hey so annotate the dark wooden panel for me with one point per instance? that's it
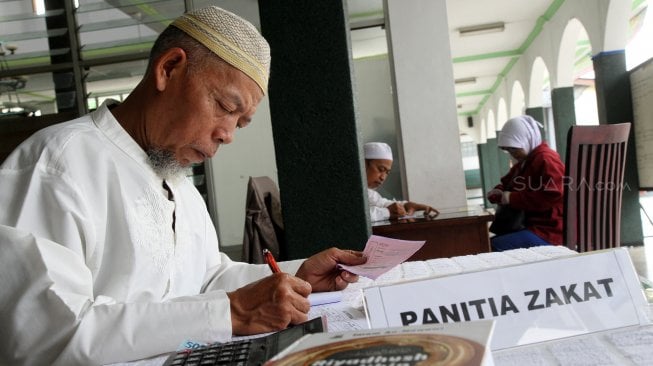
(15, 130)
(448, 235)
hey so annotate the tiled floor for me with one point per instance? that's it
(642, 256)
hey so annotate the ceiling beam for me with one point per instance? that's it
(539, 25)
(486, 56)
(475, 93)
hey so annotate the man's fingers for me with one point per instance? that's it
(348, 277)
(344, 279)
(301, 287)
(301, 304)
(350, 257)
(298, 317)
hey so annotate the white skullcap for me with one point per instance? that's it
(232, 38)
(377, 150)
(520, 132)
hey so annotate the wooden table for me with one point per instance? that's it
(449, 234)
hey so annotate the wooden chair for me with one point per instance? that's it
(14, 130)
(595, 162)
(263, 221)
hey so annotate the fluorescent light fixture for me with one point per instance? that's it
(38, 6)
(482, 29)
(469, 80)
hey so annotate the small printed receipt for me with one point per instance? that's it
(383, 254)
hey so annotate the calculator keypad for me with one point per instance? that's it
(218, 354)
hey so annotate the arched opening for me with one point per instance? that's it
(517, 100)
(539, 91)
(575, 69)
(502, 114)
(584, 90)
(640, 48)
(539, 95)
(491, 131)
(482, 138)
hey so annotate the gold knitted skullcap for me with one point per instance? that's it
(232, 38)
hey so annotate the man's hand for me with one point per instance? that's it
(429, 211)
(269, 304)
(396, 210)
(322, 273)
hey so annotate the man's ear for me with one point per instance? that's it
(171, 63)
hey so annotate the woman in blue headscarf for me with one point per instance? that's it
(534, 184)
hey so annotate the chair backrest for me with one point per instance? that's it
(14, 130)
(263, 221)
(595, 163)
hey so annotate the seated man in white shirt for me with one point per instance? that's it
(107, 251)
(378, 164)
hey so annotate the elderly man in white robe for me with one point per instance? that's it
(107, 252)
(378, 164)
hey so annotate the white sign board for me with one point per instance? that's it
(530, 303)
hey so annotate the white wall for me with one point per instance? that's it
(376, 117)
(426, 102)
(474, 132)
(250, 154)
(252, 151)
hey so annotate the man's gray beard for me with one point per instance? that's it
(166, 166)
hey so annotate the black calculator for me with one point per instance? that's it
(245, 352)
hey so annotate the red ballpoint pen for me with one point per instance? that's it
(269, 259)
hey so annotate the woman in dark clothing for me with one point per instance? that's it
(534, 184)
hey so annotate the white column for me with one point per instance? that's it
(427, 124)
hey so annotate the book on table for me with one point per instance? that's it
(464, 343)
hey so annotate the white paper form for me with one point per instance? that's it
(340, 316)
(383, 254)
(629, 346)
(321, 298)
(415, 270)
(443, 266)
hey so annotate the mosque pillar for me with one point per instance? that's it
(319, 160)
(490, 166)
(564, 116)
(537, 113)
(429, 156)
(614, 101)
